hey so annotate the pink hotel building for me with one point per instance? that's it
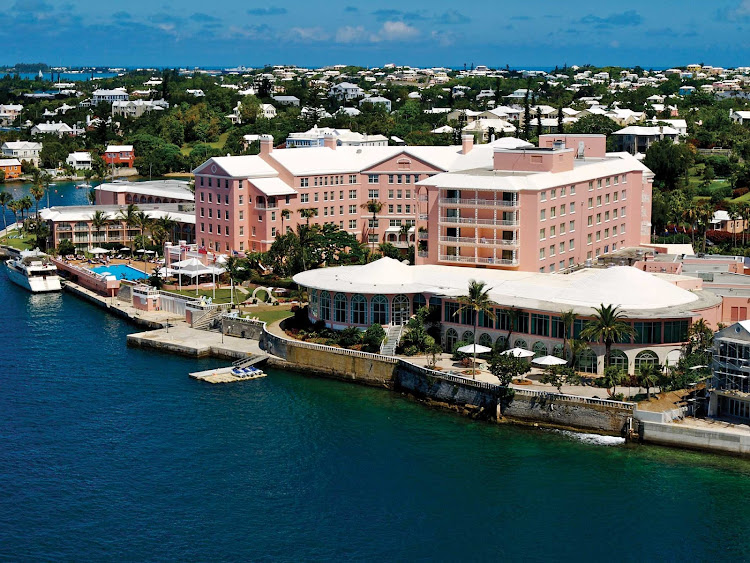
(506, 204)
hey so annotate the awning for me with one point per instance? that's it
(273, 186)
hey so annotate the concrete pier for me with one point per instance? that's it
(181, 339)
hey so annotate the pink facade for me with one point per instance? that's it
(545, 209)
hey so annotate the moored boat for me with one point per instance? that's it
(33, 270)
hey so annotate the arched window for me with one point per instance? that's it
(417, 302)
(339, 308)
(521, 343)
(558, 351)
(314, 303)
(485, 340)
(359, 309)
(539, 349)
(468, 336)
(647, 357)
(451, 337)
(500, 343)
(325, 306)
(128, 198)
(587, 361)
(379, 310)
(400, 309)
(619, 359)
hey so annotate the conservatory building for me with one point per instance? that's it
(527, 306)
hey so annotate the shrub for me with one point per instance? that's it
(458, 356)
(372, 338)
(350, 336)
(411, 351)
(739, 192)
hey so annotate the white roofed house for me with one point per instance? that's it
(637, 139)
(379, 100)
(53, 128)
(740, 116)
(109, 96)
(23, 150)
(79, 160)
(346, 91)
(136, 108)
(286, 100)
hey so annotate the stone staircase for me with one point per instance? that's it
(207, 320)
(392, 338)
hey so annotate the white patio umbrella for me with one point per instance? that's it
(518, 353)
(99, 250)
(549, 361)
(125, 248)
(472, 348)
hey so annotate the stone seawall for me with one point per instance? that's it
(681, 436)
(481, 400)
(103, 302)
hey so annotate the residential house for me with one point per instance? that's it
(119, 154)
(740, 116)
(53, 128)
(346, 91)
(23, 150)
(11, 167)
(79, 160)
(136, 108)
(316, 137)
(637, 139)
(286, 100)
(379, 100)
(109, 96)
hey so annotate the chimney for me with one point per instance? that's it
(467, 143)
(266, 144)
(329, 140)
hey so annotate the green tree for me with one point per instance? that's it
(669, 162)
(648, 376)
(594, 124)
(477, 301)
(506, 368)
(284, 216)
(373, 206)
(608, 327)
(613, 376)
(128, 216)
(373, 338)
(567, 318)
(98, 221)
(5, 199)
(308, 213)
(37, 192)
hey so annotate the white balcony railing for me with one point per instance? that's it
(474, 221)
(477, 202)
(478, 260)
(480, 241)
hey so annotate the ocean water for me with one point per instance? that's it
(110, 453)
(61, 193)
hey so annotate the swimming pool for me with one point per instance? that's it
(121, 272)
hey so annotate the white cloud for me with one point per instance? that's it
(350, 34)
(309, 34)
(396, 31)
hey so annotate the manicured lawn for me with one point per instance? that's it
(25, 243)
(272, 315)
(222, 295)
(185, 149)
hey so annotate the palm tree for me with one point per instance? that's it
(691, 216)
(734, 214)
(5, 199)
(91, 196)
(745, 211)
(648, 377)
(37, 192)
(513, 315)
(705, 215)
(165, 225)
(373, 206)
(308, 213)
(284, 215)
(143, 222)
(46, 180)
(128, 216)
(26, 204)
(567, 318)
(607, 326)
(478, 301)
(613, 375)
(98, 221)
(15, 206)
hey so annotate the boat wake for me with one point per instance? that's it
(592, 439)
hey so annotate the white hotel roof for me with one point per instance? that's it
(157, 188)
(632, 289)
(73, 213)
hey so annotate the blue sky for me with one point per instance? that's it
(654, 33)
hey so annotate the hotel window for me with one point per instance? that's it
(551, 231)
(563, 191)
(260, 218)
(598, 237)
(589, 255)
(571, 244)
(226, 184)
(210, 228)
(352, 223)
(390, 208)
(598, 218)
(352, 194)
(210, 213)
(325, 212)
(226, 199)
(572, 190)
(408, 208)
(416, 178)
(226, 215)
(352, 209)
(304, 182)
(624, 194)
(390, 178)
(607, 182)
(543, 196)
(203, 194)
(598, 201)
(352, 178)
(541, 254)
(606, 233)
(562, 209)
(341, 194)
(407, 178)
(588, 239)
(316, 182)
(210, 197)
(398, 209)
(606, 199)
(606, 215)
(614, 230)
(390, 194)
(552, 250)
(399, 194)
(541, 270)
(591, 220)
(373, 178)
(325, 196)
(624, 179)
(615, 196)
(542, 234)
(273, 232)
(240, 200)
(373, 194)
(614, 213)
(570, 262)
(622, 212)
(242, 246)
(591, 186)
(622, 229)
(242, 231)
(315, 196)
(591, 203)
(253, 231)
(273, 215)
(304, 198)
(553, 193)
(551, 267)
(562, 228)
(543, 215)
(341, 209)
(598, 184)
(209, 182)
(372, 224)
(398, 179)
(407, 195)
(203, 227)
(552, 212)
(202, 212)
(572, 226)
(539, 324)
(201, 180)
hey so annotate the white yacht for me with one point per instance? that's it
(33, 270)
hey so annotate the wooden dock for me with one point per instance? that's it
(227, 375)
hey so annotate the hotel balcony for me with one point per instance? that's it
(265, 207)
(475, 221)
(474, 203)
(481, 241)
(478, 260)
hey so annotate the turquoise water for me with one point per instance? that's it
(62, 193)
(121, 272)
(111, 453)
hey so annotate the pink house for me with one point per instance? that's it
(505, 204)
